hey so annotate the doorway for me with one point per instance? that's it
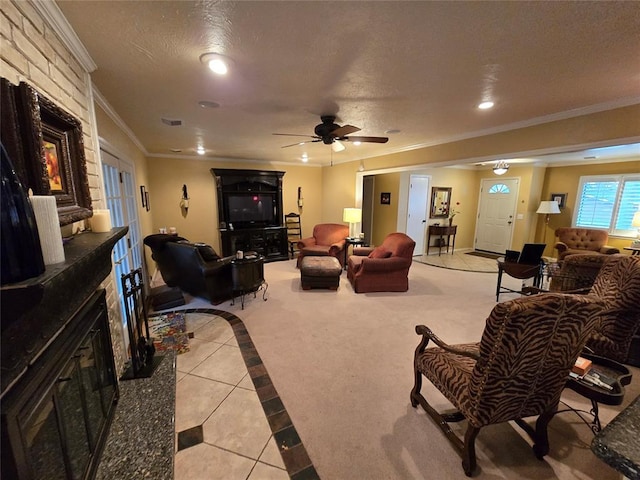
(496, 214)
(417, 210)
(120, 196)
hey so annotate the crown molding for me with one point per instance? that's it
(53, 16)
(102, 102)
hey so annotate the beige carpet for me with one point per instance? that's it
(459, 260)
(342, 364)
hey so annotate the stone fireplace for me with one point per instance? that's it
(59, 382)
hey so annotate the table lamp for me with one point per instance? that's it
(635, 222)
(352, 216)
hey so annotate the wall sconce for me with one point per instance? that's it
(501, 168)
(184, 202)
(352, 216)
(300, 199)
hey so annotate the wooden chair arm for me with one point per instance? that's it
(427, 335)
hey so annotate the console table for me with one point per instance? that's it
(247, 275)
(442, 231)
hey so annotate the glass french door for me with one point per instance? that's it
(119, 190)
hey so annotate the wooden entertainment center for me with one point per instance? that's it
(250, 212)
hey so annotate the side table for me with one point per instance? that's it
(351, 241)
(247, 275)
(442, 231)
(617, 372)
(634, 250)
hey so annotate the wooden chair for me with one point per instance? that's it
(294, 231)
(518, 369)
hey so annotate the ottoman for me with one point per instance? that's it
(320, 272)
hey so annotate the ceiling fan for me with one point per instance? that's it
(329, 133)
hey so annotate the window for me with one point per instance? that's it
(608, 202)
(499, 188)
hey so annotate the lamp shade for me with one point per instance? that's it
(548, 207)
(352, 215)
(501, 168)
(636, 220)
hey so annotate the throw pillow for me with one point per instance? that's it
(380, 252)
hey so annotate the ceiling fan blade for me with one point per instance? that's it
(294, 135)
(366, 139)
(336, 146)
(344, 130)
(302, 143)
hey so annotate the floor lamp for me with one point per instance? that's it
(352, 216)
(548, 207)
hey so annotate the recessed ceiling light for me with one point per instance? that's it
(218, 64)
(305, 158)
(485, 105)
(200, 150)
(357, 143)
(208, 104)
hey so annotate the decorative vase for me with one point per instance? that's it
(21, 251)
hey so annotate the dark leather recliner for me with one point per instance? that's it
(193, 267)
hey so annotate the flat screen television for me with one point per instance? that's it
(251, 209)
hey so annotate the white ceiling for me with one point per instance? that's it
(417, 67)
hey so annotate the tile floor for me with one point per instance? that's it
(459, 260)
(221, 428)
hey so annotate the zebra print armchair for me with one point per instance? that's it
(539, 337)
(617, 327)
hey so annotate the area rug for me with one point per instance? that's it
(169, 332)
(485, 254)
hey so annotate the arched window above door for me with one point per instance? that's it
(499, 188)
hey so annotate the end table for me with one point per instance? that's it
(247, 275)
(352, 241)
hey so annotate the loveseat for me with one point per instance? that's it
(327, 239)
(582, 240)
(384, 268)
(193, 267)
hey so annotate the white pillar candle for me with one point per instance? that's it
(101, 221)
(46, 212)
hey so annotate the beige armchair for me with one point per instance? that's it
(539, 337)
(582, 240)
(327, 239)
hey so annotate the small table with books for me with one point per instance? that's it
(603, 382)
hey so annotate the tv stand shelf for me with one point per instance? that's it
(270, 242)
(250, 212)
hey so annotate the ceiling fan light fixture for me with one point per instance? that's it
(501, 167)
(218, 64)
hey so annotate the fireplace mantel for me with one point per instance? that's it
(36, 310)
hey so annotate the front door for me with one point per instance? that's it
(496, 214)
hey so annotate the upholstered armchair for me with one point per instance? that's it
(384, 268)
(193, 267)
(327, 239)
(518, 369)
(576, 272)
(582, 240)
(618, 326)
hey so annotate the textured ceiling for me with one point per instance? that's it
(417, 67)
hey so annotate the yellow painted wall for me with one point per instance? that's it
(166, 177)
(385, 217)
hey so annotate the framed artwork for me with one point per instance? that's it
(52, 159)
(385, 198)
(561, 198)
